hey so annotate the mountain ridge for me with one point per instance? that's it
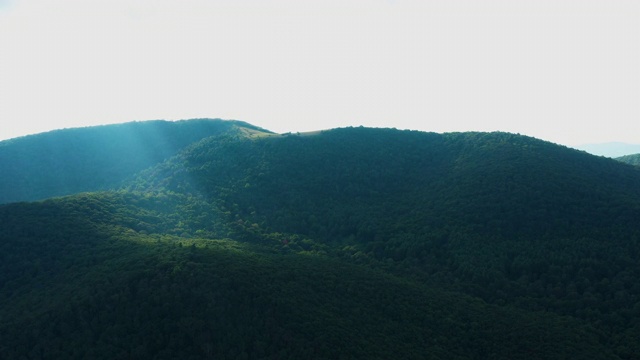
(633, 159)
(37, 166)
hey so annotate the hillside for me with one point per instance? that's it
(78, 282)
(338, 185)
(630, 159)
(507, 218)
(346, 243)
(69, 161)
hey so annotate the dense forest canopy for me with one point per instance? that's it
(346, 243)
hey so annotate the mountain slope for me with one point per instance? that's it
(491, 183)
(69, 161)
(81, 284)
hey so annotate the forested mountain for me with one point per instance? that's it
(69, 161)
(351, 243)
(630, 159)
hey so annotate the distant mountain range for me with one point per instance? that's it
(611, 149)
(213, 239)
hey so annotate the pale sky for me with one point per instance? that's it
(566, 71)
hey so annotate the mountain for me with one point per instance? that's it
(69, 161)
(633, 159)
(347, 243)
(611, 149)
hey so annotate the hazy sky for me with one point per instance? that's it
(560, 70)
